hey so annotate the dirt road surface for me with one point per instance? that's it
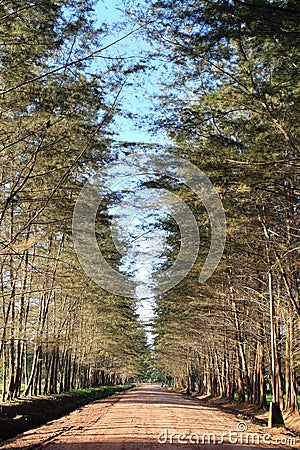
(150, 418)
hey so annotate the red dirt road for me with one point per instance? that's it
(150, 418)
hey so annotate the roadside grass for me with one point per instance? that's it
(268, 399)
(88, 392)
(100, 392)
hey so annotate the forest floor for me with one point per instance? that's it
(148, 417)
(244, 410)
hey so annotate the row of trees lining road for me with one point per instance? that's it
(59, 331)
(230, 103)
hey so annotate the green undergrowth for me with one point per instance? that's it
(100, 392)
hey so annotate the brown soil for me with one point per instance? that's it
(24, 414)
(133, 420)
(244, 410)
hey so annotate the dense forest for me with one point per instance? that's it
(232, 108)
(59, 331)
(228, 102)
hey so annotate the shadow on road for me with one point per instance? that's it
(159, 396)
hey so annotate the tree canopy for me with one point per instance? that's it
(228, 101)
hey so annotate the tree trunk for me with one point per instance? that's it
(290, 378)
(34, 367)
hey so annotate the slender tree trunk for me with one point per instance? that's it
(240, 379)
(259, 386)
(4, 374)
(290, 378)
(34, 367)
(278, 351)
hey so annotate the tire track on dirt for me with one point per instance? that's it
(38, 438)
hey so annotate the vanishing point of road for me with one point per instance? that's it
(150, 418)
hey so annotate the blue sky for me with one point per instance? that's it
(142, 255)
(135, 96)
